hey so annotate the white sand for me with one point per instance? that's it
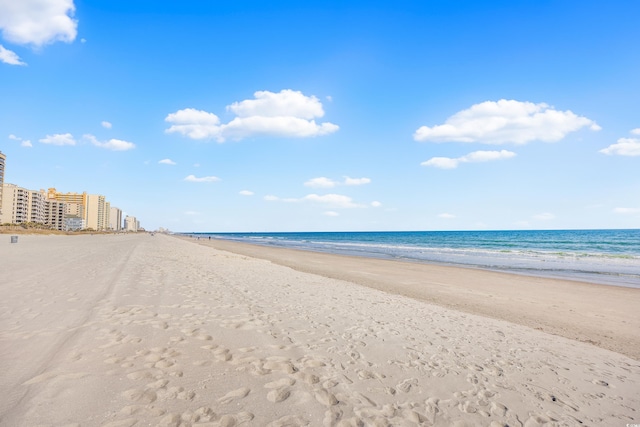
(157, 331)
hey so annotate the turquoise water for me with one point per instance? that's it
(598, 256)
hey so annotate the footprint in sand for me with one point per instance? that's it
(281, 366)
(278, 395)
(234, 395)
(222, 354)
(144, 410)
(283, 382)
(122, 423)
(326, 398)
(288, 421)
(498, 409)
(405, 386)
(138, 395)
(157, 384)
(308, 378)
(232, 420)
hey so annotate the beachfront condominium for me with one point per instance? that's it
(96, 214)
(3, 158)
(115, 219)
(131, 223)
(75, 202)
(21, 206)
(16, 202)
(93, 209)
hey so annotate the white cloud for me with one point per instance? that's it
(117, 145)
(112, 144)
(474, 157)
(37, 22)
(23, 143)
(333, 200)
(626, 211)
(376, 204)
(487, 156)
(106, 125)
(331, 213)
(323, 182)
(194, 123)
(167, 162)
(282, 104)
(337, 200)
(246, 193)
(191, 213)
(446, 216)
(10, 57)
(287, 113)
(291, 127)
(356, 181)
(506, 121)
(635, 131)
(59, 139)
(441, 163)
(193, 178)
(624, 147)
(544, 216)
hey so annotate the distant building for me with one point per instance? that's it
(37, 201)
(55, 210)
(3, 159)
(96, 215)
(76, 202)
(131, 223)
(115, 219)
(54, 214)
(20, 206)
(92, 208)
(16, 202)
(74, 223)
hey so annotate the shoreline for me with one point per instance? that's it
(599, 314)
(570, 260)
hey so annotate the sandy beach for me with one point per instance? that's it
(135, 330)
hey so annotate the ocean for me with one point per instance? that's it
(609, 257)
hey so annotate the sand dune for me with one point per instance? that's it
(157, 331)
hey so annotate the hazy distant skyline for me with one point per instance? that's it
(288, 116)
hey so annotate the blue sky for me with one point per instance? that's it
(313, 116)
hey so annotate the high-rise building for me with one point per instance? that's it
(37, 202)
(54, 214)
(21, 206)
(16, 203)
(96, 215)
(115, 219)
(3, 159)
(107, 215)
(92, 208)
(131, 223)
(76, 203)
